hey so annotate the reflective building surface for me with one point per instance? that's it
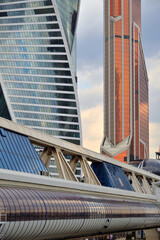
(150, 165)
(43, 214)
(126, 122)
(38, 82)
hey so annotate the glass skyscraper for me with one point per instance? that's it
(126, 120)
(38, 82)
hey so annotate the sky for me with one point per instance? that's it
(90, 70)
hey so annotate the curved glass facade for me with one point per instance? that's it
(68, 13)
(37, 65)
(38, 83)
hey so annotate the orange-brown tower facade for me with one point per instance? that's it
(126, 118)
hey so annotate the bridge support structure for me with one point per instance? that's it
(66, 169)
(141, 181)
(89, 208)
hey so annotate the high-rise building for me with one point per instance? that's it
(38, 82)
(126, 120)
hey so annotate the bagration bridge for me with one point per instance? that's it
(113, 197)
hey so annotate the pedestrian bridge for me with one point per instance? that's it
(113, 197)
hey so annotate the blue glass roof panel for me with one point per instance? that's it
(111, 175)
(18, 154)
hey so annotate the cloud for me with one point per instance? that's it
(91, 97)
(153, 67)
(92, 127)
(90, 86)
(90, 75)
(90, 72)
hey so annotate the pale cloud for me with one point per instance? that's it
(92, 127)
(90, 87)
(153, 67)
(90, 75)
(91, 97)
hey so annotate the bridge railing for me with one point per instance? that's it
(140, 180)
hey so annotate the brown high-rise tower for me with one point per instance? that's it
(126, 120)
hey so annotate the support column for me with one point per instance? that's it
(73, 163)
(89, 175)
(146, 185)
(46, 156)
(135, 183)
(64, 169)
